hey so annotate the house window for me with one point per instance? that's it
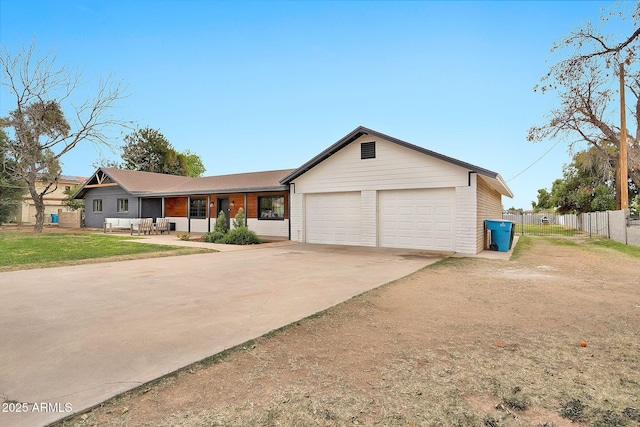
(368, 150)
(198, 208)
(97, 205)
(123, 205)
(271, 207)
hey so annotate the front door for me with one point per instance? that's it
(223, 205)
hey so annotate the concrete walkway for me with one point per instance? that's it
(72, 337)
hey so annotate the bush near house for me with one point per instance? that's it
(240, 235)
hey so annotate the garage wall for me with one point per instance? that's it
(297, 215)
(489, 207)
(394, 167)
(466, 214)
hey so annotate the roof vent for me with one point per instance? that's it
(368, 150)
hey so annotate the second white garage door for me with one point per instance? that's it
(333, 218)
(418, 219)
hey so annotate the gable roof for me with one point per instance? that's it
(493, 178)
(149, 184)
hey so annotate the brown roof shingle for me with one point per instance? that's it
(157, 184)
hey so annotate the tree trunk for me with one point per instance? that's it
(39, 202)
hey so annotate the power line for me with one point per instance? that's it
(536, 161)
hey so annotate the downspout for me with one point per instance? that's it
(163, 208)
(139, 207)
(188, 214)
(246, 217)
(209, 213)
(291, 185)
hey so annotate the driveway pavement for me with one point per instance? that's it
(72, 337)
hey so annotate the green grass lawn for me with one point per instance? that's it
(28, 250)
(542, 230)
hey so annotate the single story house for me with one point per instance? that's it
(192, 204)
(367, 189)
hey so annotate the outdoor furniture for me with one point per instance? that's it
(145, 226)
(162, 225)
(119, 224)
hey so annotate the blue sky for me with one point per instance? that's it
(265, 85)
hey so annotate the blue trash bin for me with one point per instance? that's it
(501, 234)
(54, 218)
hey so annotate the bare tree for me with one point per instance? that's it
(585, 84)
(41, 134)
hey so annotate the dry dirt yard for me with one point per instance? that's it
(465, 342)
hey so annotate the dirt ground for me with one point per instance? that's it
(466, 342)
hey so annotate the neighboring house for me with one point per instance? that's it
(192, 204)
(370, 189)
(52, 201)
(367, 189)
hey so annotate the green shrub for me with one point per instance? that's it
(241, 236)
(221, 224)
(238, 221)
(213, 237)
(184, 236)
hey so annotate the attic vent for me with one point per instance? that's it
(368, 150)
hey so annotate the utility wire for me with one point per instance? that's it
(536, 161)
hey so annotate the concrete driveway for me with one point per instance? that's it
(72, 337)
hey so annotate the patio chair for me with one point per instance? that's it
(162, 225)
(145, 226)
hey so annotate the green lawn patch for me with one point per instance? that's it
(596, 242)
(630, 250)
(542, 230)
(523, 246)
(50, 249)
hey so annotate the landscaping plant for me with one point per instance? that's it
(241, 236)
(238, 220)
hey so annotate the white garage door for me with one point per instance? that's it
(333, 218)
(419, 219)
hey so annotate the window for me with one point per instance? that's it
(271, 207)
(368, 150)
(123, 205)
(97, 205)
(198, 208)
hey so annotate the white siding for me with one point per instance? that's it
(394, 167)
(296, 203)
(489, 206)
(181, 223)
(199, 225)
(465, 220)
(269, 228)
